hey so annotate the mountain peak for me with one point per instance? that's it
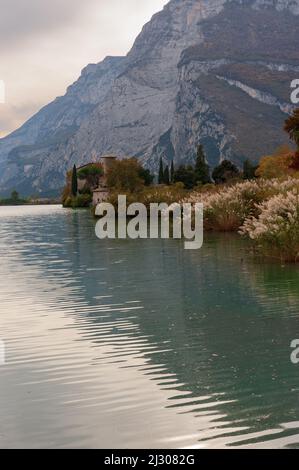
(215, 72)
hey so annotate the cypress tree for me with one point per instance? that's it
(166, 176)
(74, 182)
(172, 172)
(161, 172)
(202, 169)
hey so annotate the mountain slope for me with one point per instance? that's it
(210, 71)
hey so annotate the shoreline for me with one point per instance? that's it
(34, 203)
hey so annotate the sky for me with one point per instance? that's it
(45, 44)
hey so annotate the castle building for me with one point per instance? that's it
(101, 193)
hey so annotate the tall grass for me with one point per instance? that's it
(227, 207)
(275, 230)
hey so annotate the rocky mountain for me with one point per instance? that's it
(216, 72)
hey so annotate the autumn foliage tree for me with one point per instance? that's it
(277, 165)
(126, 175)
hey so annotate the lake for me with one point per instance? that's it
(142, 344)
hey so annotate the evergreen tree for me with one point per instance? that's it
(166, 178)
(15, 196)
(74, 182)
(172, 172)
(185, 175)
(249, 170)
(225, 171)
(146, 175)
(161, 172)
(202, 169)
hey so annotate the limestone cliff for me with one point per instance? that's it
(211, 71)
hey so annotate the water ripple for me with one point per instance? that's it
(119, 344)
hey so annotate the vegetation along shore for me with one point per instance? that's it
(16, 200)
(261, 203)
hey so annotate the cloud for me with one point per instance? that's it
(21, 19)
(44, 44)
(11, 117)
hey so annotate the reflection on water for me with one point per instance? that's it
(119, 344)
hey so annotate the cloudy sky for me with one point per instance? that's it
(44, 44)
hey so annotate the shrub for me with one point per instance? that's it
(79, 201)
(85, 190)
(166, 194)
(82, 200)
(227, 207)
(67, 202)
(275, 230)
(153, 195)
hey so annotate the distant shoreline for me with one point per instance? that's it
(31, 203)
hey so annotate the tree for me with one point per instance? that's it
(146, 175)
(249, 170)
(202, 169)
(292, 127)
(172, 172)
(185, 175)
(166, 176)
(14, 196)
(124, 175)
(224, 172)
(278, 165)
(74, 182)
(92, 174)
(295, 162)
(161, 172)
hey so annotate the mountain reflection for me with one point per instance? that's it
(210, 328)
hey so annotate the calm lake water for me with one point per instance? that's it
(141, 344)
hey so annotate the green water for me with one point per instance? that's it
(129, 344)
